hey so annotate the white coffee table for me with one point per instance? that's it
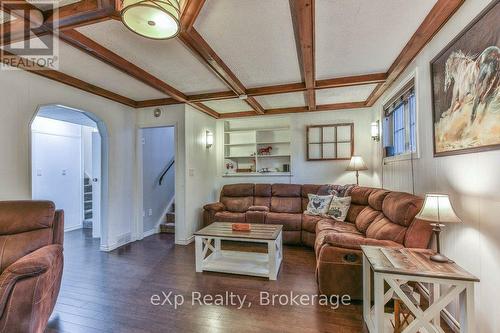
(210, 256)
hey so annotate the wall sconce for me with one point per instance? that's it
(376, 131)
(209, 139)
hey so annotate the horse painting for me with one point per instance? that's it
(466, 89)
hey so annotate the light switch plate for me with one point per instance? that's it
(191, 172)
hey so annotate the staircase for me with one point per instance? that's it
(87, 202)
(168, 226)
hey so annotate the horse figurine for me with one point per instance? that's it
(265, 150)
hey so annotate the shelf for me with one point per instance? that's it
(239, 144)
(258, 174)
(246, 156)
(266, 156)
(258, 130)
(273, 143)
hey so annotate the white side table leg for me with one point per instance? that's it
(367, 293)
(435, 295)
(467, 310)
(199, 253)
(379, 302)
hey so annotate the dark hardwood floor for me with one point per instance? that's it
(111, 292)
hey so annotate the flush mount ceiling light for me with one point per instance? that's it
(155, 19)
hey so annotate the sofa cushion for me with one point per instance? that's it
(286, 190)
(376, 198)
(337, 226)
(286, 205)
(309, 222)
(361, 194)
(237, 204)
(23, 216)
(230, 217)
(263, 190)
(353, 241)
(401, 208)
(366, 217)
(383, 229)
(290, 222)
(353, 212)
(238, 190)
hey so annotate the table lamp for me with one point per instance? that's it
(357, 164)
(437, 209)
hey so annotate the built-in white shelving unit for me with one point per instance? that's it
(242, 143)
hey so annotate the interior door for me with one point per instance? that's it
(96, 185)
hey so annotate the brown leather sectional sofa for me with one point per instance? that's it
(31, 265)
(376, 217)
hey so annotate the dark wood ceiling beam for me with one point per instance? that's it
(299, 109)
(348, 81)
(157, 102)
(194, 41)
(442, 11)
(60, 77)
(303, 22)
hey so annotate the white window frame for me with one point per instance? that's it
(405, 156)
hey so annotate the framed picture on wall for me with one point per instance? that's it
(466, 88)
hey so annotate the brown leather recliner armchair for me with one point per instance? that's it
(31, 264)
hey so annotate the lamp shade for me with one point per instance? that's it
(357, 164)
(155, 19)
(437, 208)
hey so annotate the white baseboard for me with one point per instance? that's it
(150, 232)
(76, 227)
(445, 314)
(185, 241)
(120, 241)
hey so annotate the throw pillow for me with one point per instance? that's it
(318, 204)
(339, 207)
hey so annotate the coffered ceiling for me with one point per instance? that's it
(236, 58)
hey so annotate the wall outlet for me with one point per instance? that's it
(150, 212)
(143, 213)
(64, 172)
(191, 172)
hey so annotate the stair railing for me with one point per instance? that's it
(164, 173)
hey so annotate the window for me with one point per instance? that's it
(399, 126)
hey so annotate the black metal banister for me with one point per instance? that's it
(169, 166)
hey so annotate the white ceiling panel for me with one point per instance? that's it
(228, 105)
(254, 38)
(344, 94)
(168, 60)
(282, 100)
(364, 36)
(87, 68)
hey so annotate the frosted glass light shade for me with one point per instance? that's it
(437, 208)
(155, 19)
(357, 164)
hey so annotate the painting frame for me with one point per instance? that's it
(446, 49)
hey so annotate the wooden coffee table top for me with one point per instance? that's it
(258, 231)
(413, 262)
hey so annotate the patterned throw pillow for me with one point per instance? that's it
(318, 204)
(339, 208)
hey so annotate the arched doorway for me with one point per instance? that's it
(69, 165)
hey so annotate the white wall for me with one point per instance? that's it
(57, 167)
(315, 172)
(21, 93)
(201, 168)
(472, 180)
(158, 149)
